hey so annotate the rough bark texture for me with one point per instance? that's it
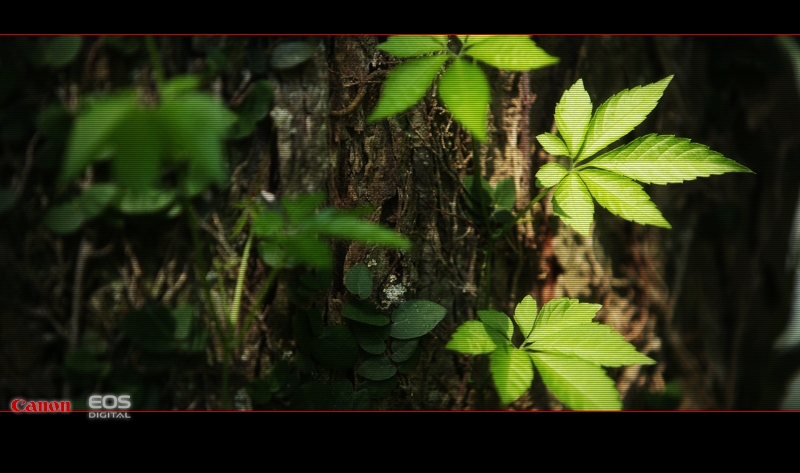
(705, 299)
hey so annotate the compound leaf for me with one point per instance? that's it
(593, 342)
(550, 174)
(560, 313)
(554, 145)
(406, 84)
(473, 338)
(415, 318)
(406, 46)
(573, 114)
(620, 114)
(665, 159)
(513, 53)
(573, 203)
(577, 383)
(465, 91)
(623, 197)
(512, 372)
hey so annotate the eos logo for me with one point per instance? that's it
(109, 401)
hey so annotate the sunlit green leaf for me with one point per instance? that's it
(573, 203)
(406, 84)
(593, 342)
(579, 384)
(560, 313)
(525, 315)
(554, 145)
(620, 114)
(472, 338)
(573, 114)
(512, 372)
(465, 92)
(497, 321)
(550, 174)
(513, 53)
(665, 159)
(406, 46)
(415, 318)
(623, 197)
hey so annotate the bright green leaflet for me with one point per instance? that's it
(609, 178)
(464, 88)
(561, 341)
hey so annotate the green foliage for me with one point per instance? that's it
(566, 347)
(359, 281)
(463, 87)
(292, 233)
(609, 178)
(498, 201)
(185, 132)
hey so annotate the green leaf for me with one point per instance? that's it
(465, 92)
(359, 281)
(335, 347)
(573, 114)
(291, 54)
(560, 313)
(579, 384)
(473, 338)
(573, 203)
(406, 46)
(554, 145)
(371, 338)
(347, 225)
(593, 342)
(665, 159)
(623, 197)
(415, 318)
(377, 368)
(267, 223)
(138, 148)
(497, 321)
(91, 134)
(183, 315)
(145, 201)
(68, 217)
(513, 53)
(483, 194)
(505, 194)
(550, 175)
(379, 389)
(62, 50)
(620, 114)
(300, 207)
(406, 84)
(525, 315)
(403, 349)
(365, 314)
(512, 372)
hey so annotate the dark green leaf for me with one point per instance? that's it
(183, 315)
(415, 318)
(363, 313)
(379, 389)
(371, 338)
(403, 349)
(505, 194)
(359, 281)
(335, 348)
(62, 50)
(377, 368)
